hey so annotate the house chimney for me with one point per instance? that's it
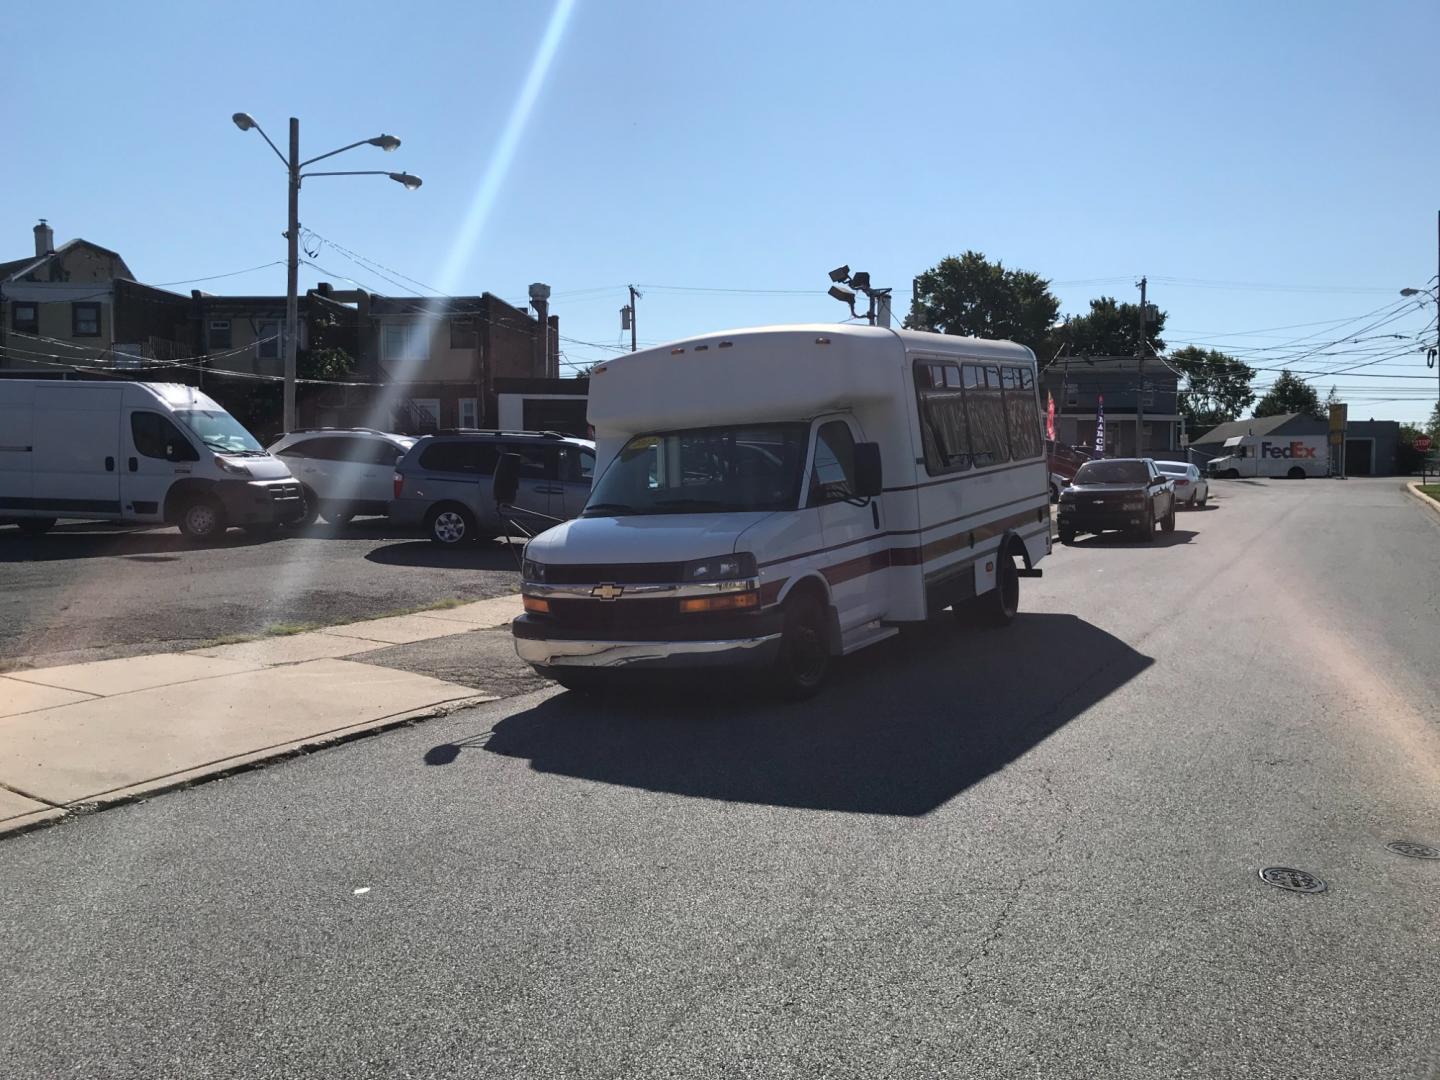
(44, 240)
(540, 301)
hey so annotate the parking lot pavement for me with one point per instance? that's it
(86, 592)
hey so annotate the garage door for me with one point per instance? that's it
(1357, 456)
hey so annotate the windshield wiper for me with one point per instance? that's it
(608, 508)
(670, 504)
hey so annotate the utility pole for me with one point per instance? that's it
(1144, 347)
(292, 277)
(633, 297)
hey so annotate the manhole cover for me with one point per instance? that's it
(1285, 877)
(1414, 851)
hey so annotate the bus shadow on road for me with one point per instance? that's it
(906, 726)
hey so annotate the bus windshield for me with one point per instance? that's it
(705, 471)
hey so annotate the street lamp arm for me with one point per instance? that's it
(278, 154)
(332, 153)
(351, 172)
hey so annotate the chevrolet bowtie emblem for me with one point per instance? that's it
(607, 592)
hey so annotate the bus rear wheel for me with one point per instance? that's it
(999, 606)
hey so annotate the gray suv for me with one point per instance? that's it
(443, 483)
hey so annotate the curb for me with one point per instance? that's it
(256, 760)
(1413, 486)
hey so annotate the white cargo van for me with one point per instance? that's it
(134, 452)
(781, 496)
(1292, 456)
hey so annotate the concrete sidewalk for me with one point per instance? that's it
(85, 735)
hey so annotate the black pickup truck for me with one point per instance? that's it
(1129, 494)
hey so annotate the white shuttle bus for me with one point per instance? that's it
(134, 452)
(780, 496)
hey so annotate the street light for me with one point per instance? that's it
(293, 165)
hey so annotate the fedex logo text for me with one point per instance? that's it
(1290, 450)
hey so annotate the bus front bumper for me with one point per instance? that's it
(543, 645)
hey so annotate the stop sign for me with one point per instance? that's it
(1422, 443)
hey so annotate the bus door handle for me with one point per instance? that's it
(109, 464)
(134, 465)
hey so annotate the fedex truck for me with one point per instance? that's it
(1292, 456)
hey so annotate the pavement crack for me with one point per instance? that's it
(33, 798)
(1012, 901)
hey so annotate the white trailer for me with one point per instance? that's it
(782, 495)
(1291, 456)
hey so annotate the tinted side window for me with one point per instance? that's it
(944, 426)
(1022, 414)
(536, 462)
(303, 448)
(380, 452)
(577, 465)
(833, 477)
(989, 439)
(447, 457)
(156, 437)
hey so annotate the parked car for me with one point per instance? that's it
(444, 483)
(1128, 494)
(343, 472)
(1191, 487)
(134, 453)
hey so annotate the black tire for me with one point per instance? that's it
(1147, 527)
(1232, 474)
(1204, 498)
(1168, 524)
(450, 525)
(1295, 473)
(804, 661)
(312, 507)
(337, 518)
(202, 520)
(35, 526)
(1067, 536)
(999, 606)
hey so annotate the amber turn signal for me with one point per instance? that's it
(721, 601)
(537, 605)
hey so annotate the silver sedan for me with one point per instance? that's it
(1191, 487)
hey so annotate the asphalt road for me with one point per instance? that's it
(1019, 853)
(83, 592)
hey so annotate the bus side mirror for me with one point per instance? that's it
(507, 479)
(868, 480)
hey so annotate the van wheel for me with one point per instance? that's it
(35, 526)
(1232, 474)
(312, 507)
(1295, 473)
(450, 525)
(202, 519)
(338, 518)
(1067, 536)
(804, 659)
(999, 606)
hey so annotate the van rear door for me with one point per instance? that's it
(77, 446)
(17, 445)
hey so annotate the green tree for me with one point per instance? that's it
(1290, 394)
(1217, 386)
(1332, 398)
(1109, 329)
(1432, 427)
(327, 357)
(971, 295)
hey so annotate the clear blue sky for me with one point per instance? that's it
(1265, 165)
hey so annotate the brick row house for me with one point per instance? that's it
(405, 363)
